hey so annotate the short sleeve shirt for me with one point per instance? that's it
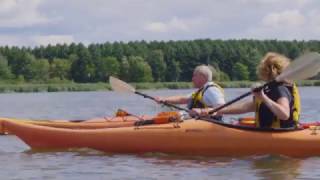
(265, 114)
(213, 96)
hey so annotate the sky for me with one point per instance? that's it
(33, 23)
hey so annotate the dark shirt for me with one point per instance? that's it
(266, 115)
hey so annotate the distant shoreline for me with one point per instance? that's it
(72, 87)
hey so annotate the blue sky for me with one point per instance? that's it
(42, 22)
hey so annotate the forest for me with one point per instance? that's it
(141, 61)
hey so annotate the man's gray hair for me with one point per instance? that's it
(204, 70)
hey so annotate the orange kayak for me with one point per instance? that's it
(190, 137)
(122, 119)
(85, 124)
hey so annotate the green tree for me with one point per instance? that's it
(169, 61)
(37, 70)
(5, 72)
(241, 72)
(117, 50)
(19, 61)
(60, 68)
(140, 71)
(156, 60)
(293, 50)
(125, 69)
(106, 67)
(223, 76)
(253, 59)
(82, 68)
(95, 51)
(173, 71)
(186, 59)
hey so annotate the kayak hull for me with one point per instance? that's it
(192, 137)
(96, 123)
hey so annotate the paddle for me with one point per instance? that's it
(121, 86)
(303, 67)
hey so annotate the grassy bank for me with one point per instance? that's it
(227, 84)
(55, 87)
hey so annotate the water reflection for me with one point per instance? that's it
(277, 167)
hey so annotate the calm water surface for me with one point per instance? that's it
(18, 162)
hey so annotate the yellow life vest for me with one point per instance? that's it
(197, 97)
(295, 109)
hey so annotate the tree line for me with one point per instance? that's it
(141, 61)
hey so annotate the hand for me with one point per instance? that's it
(217, 113)
(194, 112)
(198, 112)
(257, 90)
(159, 100)
(258, 94)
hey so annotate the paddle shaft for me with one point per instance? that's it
(164, 103)
(243, 96)
(216, 109)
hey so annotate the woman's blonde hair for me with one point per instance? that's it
(271, 65)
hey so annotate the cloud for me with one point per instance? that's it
(314, 22)
(296, 3)
(157, 27)
(10, 40)
(7, 5)
(174, 24)
(21, 13)
(287, 25)
(53, 39)
(34, 22)
(14, 40)
(287, 19)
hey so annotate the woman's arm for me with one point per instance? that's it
(238, 108)
(280, 107)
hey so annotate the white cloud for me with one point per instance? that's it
(10, 40)
(314, 21)
(53, 39)
(7, 5)
(14, 40)
(32, 22)
(21, 13)
(287, 19)
(156, 27)
(288, 25)
(174, 24)
(277, 2)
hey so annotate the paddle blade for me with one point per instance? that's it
(120, 86)
(304, 67)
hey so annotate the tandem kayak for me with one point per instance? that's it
(95, 123)
(116, 122)
(122, 119)
(189, 137)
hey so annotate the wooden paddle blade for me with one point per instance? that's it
(304, 67)
(120, 86)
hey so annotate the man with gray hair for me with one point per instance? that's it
(208, 94)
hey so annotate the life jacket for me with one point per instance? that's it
(197, 97)
(295, 109)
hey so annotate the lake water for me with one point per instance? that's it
(19, 162)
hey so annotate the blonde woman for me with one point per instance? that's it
(276, 106)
